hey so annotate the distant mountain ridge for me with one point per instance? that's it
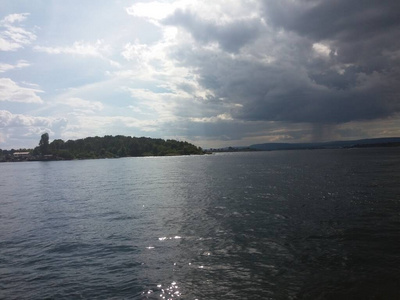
(374, 142)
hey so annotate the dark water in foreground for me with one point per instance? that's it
(321, 224)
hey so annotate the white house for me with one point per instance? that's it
(21, 154)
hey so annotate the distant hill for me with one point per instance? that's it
(377, 142)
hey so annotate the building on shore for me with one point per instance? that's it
(21, 154)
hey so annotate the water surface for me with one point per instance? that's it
(321, 224)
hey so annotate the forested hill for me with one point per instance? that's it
(373, 142)
(116, 146)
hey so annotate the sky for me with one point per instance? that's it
(215, 73)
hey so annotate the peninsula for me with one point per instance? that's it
(100, 147)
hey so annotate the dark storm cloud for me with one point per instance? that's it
(231, 36)
(354, 77)
(341, 19)
(361, 31)
(275, 93)
(362, 34)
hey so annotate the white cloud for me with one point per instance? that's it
(79, 104)
(14, 37)
(221, 117)
(150, 61)
(78, 48)
(8, 119)
(7, 67)
(11, 91)
(151, 10)
(137, 52)
(153, 64)
(321, 49)
(98, 49)
(14, 18)
(159, 104)
(20, 131)
(84, 126)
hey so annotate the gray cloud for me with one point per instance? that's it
(362, 32)
(332, 62)
(231, 36)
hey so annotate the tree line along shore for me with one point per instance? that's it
(100, 147)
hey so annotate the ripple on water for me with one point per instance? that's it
(281, 225)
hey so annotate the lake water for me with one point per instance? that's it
(320, 224)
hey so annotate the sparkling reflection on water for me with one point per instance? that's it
(271, 225)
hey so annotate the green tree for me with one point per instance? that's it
(36, 151)
(65, 154)
(44, 143)
(55, 146)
